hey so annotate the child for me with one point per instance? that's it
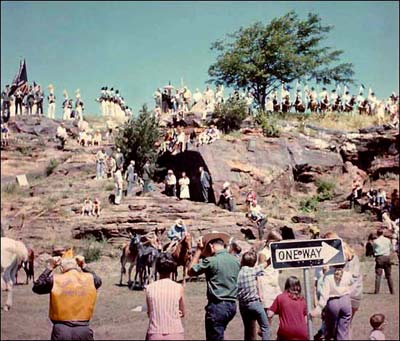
(292, 310)
(250, 305)
(377, 322)
(96, 207)
(87, 207)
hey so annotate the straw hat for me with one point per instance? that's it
(212, 236)
(179, 222)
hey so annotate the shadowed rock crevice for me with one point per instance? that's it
(189, 162)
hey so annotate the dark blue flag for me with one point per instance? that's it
(20, 80)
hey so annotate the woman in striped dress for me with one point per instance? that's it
(165, 303)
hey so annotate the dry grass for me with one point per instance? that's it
(338, 121)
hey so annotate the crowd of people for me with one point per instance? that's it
(181, 100)
(31, 102)
(112, 103)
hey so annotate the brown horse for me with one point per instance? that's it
(28, 266)
(298, 106)
(129, 255)
(364, 108)
(286, 105)
(313, 105)
(348, 107)
(324, 105)
(182, 254)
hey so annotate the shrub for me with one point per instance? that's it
(25, 150)
(230, 115)
(137, 138)
(91, 249)
(310, 204)
(268, 124)
(325, 190)
(51, 166)
(10, 188)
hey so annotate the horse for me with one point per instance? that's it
(324, 105)
(28, 267)
(337, 105)
(299, 106)
(364, 108)
(182, 254)
(348, 107)
(313, 105)
(286, 105)
(12, 253)
(146, 264)
(276, 105)
(129, 255)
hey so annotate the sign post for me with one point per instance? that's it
(307, 289)
(306, 254)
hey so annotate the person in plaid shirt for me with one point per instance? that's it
(250, 305)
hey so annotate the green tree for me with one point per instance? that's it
(262, 57)
(230, 114)
(137, 139)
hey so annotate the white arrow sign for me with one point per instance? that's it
(324, 252)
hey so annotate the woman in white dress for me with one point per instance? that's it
(184, 187)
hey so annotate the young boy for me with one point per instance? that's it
(250, 305)
(377, 323)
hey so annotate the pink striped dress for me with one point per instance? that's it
(163, 303)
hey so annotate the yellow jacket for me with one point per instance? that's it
(73, 296)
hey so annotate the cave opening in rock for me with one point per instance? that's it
(189, 161)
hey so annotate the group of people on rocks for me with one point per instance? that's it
(336, 100)
(176, 140)
(387, 209)
(112, 103)
(91, 208)
(31, 102)
(181, 100)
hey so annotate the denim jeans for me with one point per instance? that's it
(218, 315)
(100, 170)
(251, 312)
(130, 187)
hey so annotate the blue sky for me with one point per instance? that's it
(139, 46)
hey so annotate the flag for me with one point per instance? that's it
(338, 88)
(360, 91)
(20, 80)
(369, 92)
(345, 90)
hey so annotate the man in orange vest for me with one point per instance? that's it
(72, 297)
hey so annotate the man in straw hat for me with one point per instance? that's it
(72, 296)
(177, 231)
(221, 270)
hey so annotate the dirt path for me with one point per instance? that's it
(114, 319)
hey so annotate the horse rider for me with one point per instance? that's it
(73, 294)
(177, 231)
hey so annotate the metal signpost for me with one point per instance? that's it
(306, 254)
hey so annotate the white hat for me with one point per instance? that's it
(226, 184)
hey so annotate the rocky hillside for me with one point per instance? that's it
(284, 171)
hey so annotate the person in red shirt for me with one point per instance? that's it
(292, 310)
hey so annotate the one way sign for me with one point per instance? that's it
(306, 253)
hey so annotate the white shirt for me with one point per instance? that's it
(376, 335)
(331, 288)
(382, 246)
(170, 179)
